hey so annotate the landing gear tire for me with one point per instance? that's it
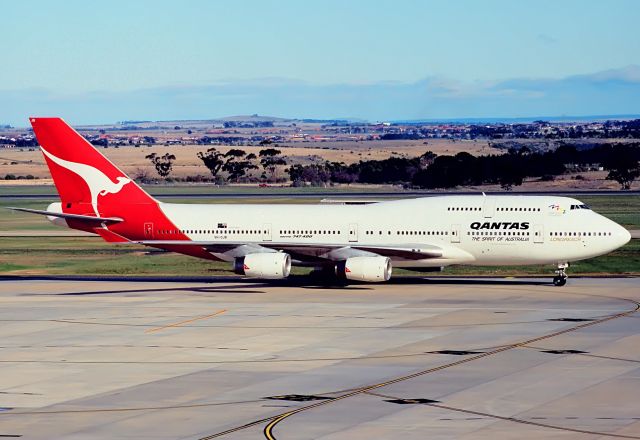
(559, 281)
(326, 276)
(561, 276)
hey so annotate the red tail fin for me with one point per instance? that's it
(89, 184)
(86, 180)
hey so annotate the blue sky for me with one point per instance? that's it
(105, 61)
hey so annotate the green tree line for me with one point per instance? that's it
(429, 171)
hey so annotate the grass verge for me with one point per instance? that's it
(91, 256)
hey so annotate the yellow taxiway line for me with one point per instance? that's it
(178, 324)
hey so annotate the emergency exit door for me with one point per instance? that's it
(353, 232)
(266, 232)
(538, 234)
(455, 233)
(148, 231)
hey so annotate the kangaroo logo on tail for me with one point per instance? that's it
(98, 182)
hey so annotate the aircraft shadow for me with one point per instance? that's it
(241, 285)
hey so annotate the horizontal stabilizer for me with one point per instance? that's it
(88, 218)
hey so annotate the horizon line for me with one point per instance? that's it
(465, 120)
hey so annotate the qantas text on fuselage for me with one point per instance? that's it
(500, 225)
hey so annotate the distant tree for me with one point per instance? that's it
(624, 175)
(270, 159)
(295, 172)
(315, 174)
(511, 169)
(237, 163)
(520, 150)
(141, 175)
(508, 181)
(391, 170)
(449, 172)
(235, 153)
(213, 160)
(623, 166)
(341, 173)
(427, 158)
(567, 154)
(163, 164)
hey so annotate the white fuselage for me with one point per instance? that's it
(474, 230)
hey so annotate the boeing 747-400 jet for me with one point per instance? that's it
(353, 241)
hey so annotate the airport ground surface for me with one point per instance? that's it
(237, 359)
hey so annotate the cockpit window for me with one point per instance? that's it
(579, 207)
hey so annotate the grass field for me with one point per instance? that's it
(71, 255)
(23, 161)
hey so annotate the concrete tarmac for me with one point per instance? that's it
(238, 359)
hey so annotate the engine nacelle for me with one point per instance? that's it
(268, 265)
(372, 269)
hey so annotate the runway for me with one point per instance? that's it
(231, 358)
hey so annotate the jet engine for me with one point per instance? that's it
(269, 265)
(372, 269)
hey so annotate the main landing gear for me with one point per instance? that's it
(561, 276)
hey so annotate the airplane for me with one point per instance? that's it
(358, 241)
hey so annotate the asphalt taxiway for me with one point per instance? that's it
(231, 358)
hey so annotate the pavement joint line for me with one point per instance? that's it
(186, 321)
(125, 409)
(514, 419)
(587, 354)
(268, 429)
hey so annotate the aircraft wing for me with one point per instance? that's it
(311, 251)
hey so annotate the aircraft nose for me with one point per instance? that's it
(621, 235)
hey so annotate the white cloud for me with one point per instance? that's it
(615, 91)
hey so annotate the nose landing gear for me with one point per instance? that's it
(561, 275)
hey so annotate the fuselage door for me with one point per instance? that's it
(538, 234)
(148, 231)
(353, 232)
(455, 233)
(266, 232)
(489, 207)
